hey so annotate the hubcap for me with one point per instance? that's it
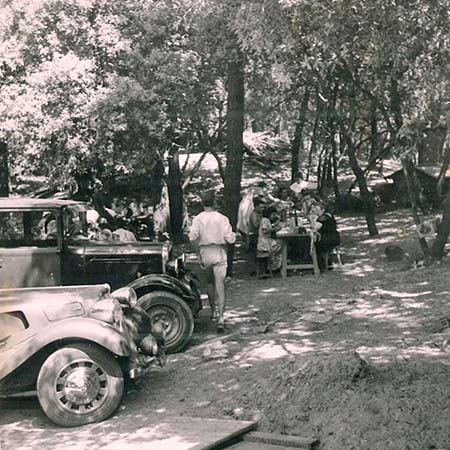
(166, 317)
(81, 387)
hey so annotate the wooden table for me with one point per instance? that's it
(284, 236)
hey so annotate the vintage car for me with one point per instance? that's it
(75, 346)
(44, 242)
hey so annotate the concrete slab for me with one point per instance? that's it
(182, 433)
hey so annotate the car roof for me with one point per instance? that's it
(29, 202)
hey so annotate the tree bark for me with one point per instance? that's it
(411, 185)
(437, 249)
(444, 167)
(297, 143)
(337, 192)
(366, 196)
(315, 131)
(374, 137)
(4, 170)
(175, 191)
(235, 142)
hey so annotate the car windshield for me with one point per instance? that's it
(75, 222)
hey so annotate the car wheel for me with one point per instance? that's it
(80, 384)
(174, 314)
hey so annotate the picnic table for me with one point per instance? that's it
(302, 237)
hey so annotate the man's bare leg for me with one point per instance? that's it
(211, 288)
(220, 273)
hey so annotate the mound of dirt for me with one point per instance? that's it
(350, 404)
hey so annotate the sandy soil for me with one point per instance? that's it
(356, 357)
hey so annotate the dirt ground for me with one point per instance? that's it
(356, 357)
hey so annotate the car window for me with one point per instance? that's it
(75, 224)
(28, 228)
(11, 323)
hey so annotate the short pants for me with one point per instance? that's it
(212, 255)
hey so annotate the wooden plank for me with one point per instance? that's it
(281, 439)
(183, 433)
(257, 446)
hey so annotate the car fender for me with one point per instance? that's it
(84, 329)
(159, 281)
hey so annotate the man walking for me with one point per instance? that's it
(211, 231)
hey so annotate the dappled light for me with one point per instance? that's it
(366, 307)
(174, 433)
(358, 269)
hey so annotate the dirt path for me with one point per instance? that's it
(354, 357)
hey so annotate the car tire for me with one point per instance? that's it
(175, 313)
(99, 391)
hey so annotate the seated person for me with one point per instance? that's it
(51, 230)
(253, 225)
(123, 235)
(105, 235)
(267, 241)
(100, 231)
(329, 238)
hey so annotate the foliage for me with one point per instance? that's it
(116, 85)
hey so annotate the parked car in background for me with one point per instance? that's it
(45, 242)
(75, 346)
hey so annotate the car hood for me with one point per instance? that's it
(51, 295)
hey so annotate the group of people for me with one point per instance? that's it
(299, 208)
(211, 231)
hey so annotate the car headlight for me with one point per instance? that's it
(176, 266)
(126, 296)
(181, 262)
(108, 310)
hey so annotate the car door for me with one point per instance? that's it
(30, 248)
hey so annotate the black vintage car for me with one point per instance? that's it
(44, 242)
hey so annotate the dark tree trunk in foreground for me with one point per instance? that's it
(175, 191)
(4, 170)
(235, 143)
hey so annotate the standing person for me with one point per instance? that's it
(211, 231)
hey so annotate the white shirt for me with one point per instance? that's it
(211, 228)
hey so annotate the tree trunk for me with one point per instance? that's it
(297, 143)
(444, 167)
(374, 138)
(4, 170)
(337, 192)
(437, 249)
(235, 143)
(411, 185)
(315, 131)
(175, 191)
(366, 196)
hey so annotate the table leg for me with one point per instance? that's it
(284, 259)
(315, 260)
